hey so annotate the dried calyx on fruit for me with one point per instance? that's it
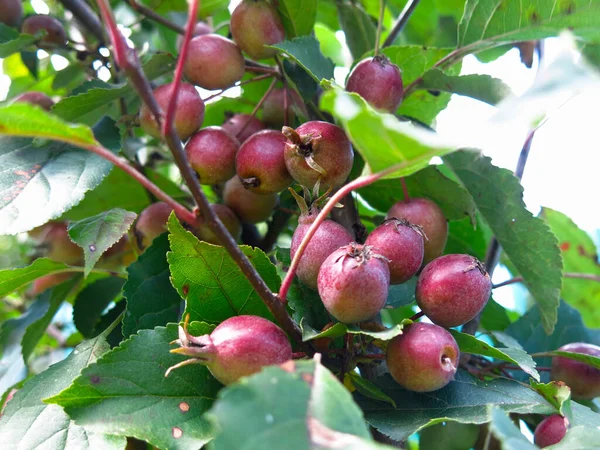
(402, 244)
(260, 165)
(329, 236)
(378, 81)
(353, 283)
(582, 378)
(423, 358)
(429, 216)
(240, 346)
(318, 152)
(453, 289)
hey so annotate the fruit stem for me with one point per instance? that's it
(334, 200)
(379, 26)
(417, 316)
(405, 190)
(298, 355)
(142, 85)
(155, 17)
(168, 127)
(574, 275)
(402, 20)
(257, 107)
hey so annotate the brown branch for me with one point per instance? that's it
(86, 16)
(256, 108)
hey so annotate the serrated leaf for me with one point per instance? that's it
(39, 183)
(414, 61)
(306, 52)
(525, 239)
(298, 16)
(151, 299)
(557, 394)
(77, 107)
(13, 279)
(488, 22)
(12, 42)
(450, 196)
(26, 120)
(494, 316)
(210, 281)
(251, 415)
(507, 432)
(579, 254)
(371, 131)
(369, 389)
(126, 393)
(464, 400)
(95, 235)
(359, 28)
(28, 423)
(56, 296)
(340, 329)
(480, 87)
(579, 438)
(470, 344)
(91, 302)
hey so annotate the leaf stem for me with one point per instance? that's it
(417, 316)
(154, 16)
(401, 22)
(257, 107)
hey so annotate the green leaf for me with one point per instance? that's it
(40, 182)
(28, 423)
(590, 360)
(401, 294)
(340, 329)
(13, 279)
(492, 22)
(579, 438)
(464, 400)
(36, 330)
(372, 132)
(298, 16)
(95, 235)
(91, 302)
(77, 107)
(470, 344)
(126, 393)
(415, 61)
(507, 432)
(494, 316)
(526, 240)
(26, 120)
(251, 414)
(463, 238)
(12, 365)
(12, 42)
(480, 87)
(579, 254)
(369, 389)
(448, 436)
(450, 196)
(210, 281)
(557, 394)
(359, 28)
(306, 52)
(151, 299)
(330, 46)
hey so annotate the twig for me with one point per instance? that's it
(379, 26)
(138, 79)
(578, 276)
(256, 108)
(402, 19)
(242, 83)
(86, 16)
(335, 198)
(417, 316)
(154, 16)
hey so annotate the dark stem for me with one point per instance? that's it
(257, 107)
(140, 82)
(86, 16)
(242, 83)
(402, 20)
(417, 316)
(278, 223)
(155, 17)
(250, 235)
